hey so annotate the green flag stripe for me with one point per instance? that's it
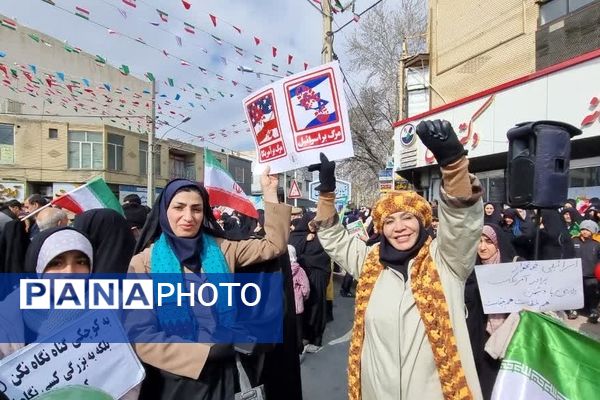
(104, 195)
(566, 358)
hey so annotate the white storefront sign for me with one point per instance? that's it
(569, 95)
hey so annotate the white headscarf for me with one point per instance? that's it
(60, 242)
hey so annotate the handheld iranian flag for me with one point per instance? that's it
(547, 360)
(94, 194)
(222, 188)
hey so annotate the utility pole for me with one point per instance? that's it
(296, 180)
(150, 162)
(327, 51)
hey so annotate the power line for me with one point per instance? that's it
(359, 104)
(317, 8)
(352, 20)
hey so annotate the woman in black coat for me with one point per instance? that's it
(317, 264)
(494, 248)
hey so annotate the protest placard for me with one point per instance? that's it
(64, 360)
(548, 285)
(357, 228)
(295, 118)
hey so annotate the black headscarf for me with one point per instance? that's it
(187, 250)
(111, 237)
(495, 218)
(397, 259)
(576, 218)
(14, 241)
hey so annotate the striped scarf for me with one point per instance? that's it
(430, 300)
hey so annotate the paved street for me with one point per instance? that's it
(324, 373)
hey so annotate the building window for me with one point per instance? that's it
(85, 150)
(551, 10)
(143, 150)
(52, 133)
(7, 144)
(239, 174)
(114, 149)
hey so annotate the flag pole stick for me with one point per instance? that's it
(51, 202)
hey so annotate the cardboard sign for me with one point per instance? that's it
(549, 285)
(42, 367)
(357, 228)
(295, 118)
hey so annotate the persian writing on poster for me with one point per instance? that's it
(69, 360)
(548, 285)
(296, 118)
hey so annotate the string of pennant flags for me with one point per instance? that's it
(190, 29)
(200, 93)
(215, 21)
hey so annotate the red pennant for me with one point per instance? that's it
(305, 66)
(290, 58)
(213, 19)
(186, 4)
(274, 51)
(3, 69)
(256, 40)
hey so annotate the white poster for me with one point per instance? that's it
(63, 361)
(549, 285)
(295, 118)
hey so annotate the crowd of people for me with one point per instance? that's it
(419, 326)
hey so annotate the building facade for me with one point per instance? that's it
(67, 116)
(496, 64)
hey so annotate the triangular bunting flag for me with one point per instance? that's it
(213, 18)
(274, 51)
(130, 3)
(82, 12)
(124, 69)
(164, 17)
(150, 76)
(189, 28)
(290, 57)
(186, 4)
(256, 40)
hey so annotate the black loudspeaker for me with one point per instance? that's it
(539, 155)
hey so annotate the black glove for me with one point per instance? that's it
(221, 351)
(439, 137)
(326, 174)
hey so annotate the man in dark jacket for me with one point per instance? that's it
(9, 211)
(588, 250)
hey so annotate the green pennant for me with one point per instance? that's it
(206, 90)
(124, 69)
(171, 82)
(100, 59)
(34, 37)
(14, 73)
(150, 76)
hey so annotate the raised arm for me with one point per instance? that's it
(348, 252)
(277, 228)
(461, 209)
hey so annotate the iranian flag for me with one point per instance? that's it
(222, 188)
(547, 360)
(94, 194)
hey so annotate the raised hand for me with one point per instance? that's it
(326, 174)
(439, 137)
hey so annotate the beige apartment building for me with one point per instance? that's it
(493, 64)
(67, 116)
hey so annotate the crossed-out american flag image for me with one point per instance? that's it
(263, 119)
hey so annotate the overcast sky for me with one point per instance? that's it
(294, 27)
